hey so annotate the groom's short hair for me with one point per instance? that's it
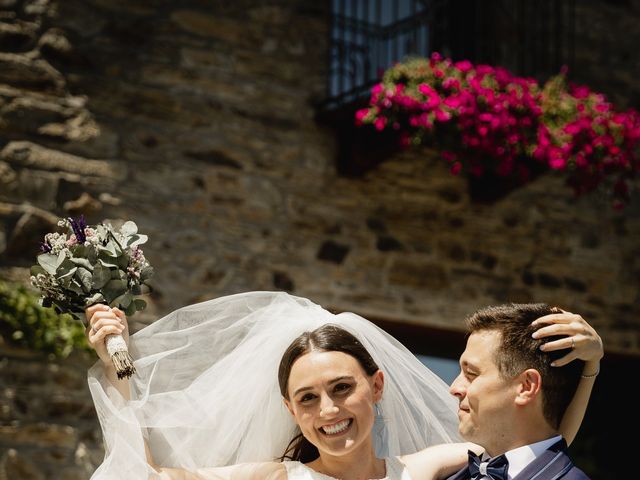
(519, 351)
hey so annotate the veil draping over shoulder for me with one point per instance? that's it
(206, 390)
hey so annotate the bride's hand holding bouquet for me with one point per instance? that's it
(102, 321)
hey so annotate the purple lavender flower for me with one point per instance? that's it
(78, 228)
(45, 247)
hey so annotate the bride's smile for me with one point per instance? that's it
(332, 400)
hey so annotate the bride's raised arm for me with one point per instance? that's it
(586, 345)
(104, 321)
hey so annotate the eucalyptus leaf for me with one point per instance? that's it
(84, 277)
(123, 300)
(82, 262)
(65, 267)
(135, 240)
(66, 277)
(50, 262)
(93, 299)
(110, 249)
(101, 275)
(128, 228)
(131, 309)
(140, 304)
(81, 251)
(146, 273)
(123, 262)
(107, 262)
(75, 287)
(37, 270)
(113, 289)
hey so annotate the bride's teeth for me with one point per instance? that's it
(337, 428)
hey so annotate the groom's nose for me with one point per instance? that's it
(458, 386)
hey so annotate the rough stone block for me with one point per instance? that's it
(31, 155)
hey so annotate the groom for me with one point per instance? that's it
(511, 401)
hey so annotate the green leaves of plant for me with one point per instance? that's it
(51, 262)
(101, 275)
(107, 268)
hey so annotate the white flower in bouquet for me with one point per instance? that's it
(94, 264)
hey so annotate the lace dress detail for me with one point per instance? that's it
(298, 471)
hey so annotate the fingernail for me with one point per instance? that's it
(553, 364)
(535, 335)
(543, 347)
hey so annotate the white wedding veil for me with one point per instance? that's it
(206, 389)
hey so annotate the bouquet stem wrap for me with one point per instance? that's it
(122, 361)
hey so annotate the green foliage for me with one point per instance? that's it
(92, 264)
(24, 322)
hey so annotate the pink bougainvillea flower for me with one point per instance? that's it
(490, 121)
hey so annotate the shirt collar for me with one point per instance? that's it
(522, 456)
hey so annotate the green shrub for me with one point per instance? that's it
(24, 322)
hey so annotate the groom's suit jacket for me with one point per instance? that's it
(554, 463)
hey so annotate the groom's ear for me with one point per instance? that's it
(529, 386)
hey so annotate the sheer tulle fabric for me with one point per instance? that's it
(206, 390)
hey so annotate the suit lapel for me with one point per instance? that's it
(461, 475)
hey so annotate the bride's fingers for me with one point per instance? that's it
(99, 316)
(98, 334)
(565, 343)
(566, 324)
(585, 346)
(98, 307)
(564, 317)
(122, 317)
(106, 323)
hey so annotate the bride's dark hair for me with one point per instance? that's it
(327, 338)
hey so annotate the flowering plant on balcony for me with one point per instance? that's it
(487, 121)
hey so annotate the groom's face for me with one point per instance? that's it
(485, 398)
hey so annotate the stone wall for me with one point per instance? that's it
(196, 120)
(48, 423)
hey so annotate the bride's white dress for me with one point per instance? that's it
(206, 393)
(298, 471)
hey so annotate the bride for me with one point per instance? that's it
(265, 385)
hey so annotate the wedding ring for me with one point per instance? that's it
(93, 331)
(573, 343)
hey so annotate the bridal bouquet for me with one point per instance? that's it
(94, 264)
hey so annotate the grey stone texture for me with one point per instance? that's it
(196, 120)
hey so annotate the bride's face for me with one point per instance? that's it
(332, 400)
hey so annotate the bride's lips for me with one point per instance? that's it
(336, 428)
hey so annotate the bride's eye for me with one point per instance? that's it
(307, 397)
(342, 387)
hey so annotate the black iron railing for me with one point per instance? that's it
(529, 37)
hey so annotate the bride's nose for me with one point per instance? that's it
(327, 407)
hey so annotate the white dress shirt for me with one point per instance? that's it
(520, 457)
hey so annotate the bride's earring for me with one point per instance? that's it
(380, 434)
